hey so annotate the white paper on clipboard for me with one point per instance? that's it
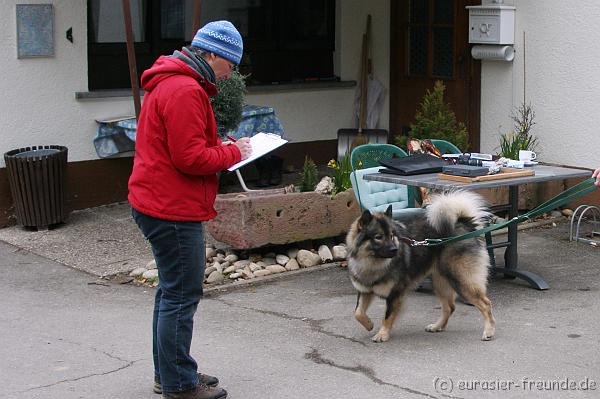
(262, 143)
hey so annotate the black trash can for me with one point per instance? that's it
(37, 178)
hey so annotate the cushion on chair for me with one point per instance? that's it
(377, 196)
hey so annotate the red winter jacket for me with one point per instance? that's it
(177, 151)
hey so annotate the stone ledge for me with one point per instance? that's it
(273, 217)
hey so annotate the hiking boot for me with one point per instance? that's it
(199, 392)
(204, 379)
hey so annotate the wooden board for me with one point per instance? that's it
(505, 173)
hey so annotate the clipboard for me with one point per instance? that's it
(262, 143)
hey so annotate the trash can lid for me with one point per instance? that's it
(37, 153)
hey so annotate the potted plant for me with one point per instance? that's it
(435, 120)
(520, 138)
(228, 102)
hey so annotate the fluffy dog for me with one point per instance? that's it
(382, 263)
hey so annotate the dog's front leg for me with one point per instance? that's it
(360, 313)
(393, 306)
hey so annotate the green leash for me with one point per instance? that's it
(577, 191)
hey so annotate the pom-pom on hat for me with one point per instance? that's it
(222, 39)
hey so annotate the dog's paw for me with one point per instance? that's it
(434, 328)
(365, 321)
(381, 336)
(487, 336)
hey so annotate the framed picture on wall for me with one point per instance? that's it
(35, 30)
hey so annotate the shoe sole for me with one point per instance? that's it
(158, 389)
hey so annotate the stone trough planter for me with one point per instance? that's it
(268, 217)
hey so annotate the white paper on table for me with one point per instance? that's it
(262, 143)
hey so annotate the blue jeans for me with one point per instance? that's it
(179, 251)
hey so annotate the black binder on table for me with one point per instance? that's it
(413, 165)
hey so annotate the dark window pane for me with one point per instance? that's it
(107, 20)
(443, 11)
(443, 52)
(418, 11)
(417, 51)
(309, 20)
(172, 19)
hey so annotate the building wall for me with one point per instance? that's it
(39, 105)
(561, 55)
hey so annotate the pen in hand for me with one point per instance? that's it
(243, 145)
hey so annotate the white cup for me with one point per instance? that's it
(527, 156)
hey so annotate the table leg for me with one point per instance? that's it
(511, 256)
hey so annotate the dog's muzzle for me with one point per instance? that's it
(388, 251)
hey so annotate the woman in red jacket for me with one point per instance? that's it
(172, 190)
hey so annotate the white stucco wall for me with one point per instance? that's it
(39, 105)
(562, 50)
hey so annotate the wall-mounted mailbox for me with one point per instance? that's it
(491, 24)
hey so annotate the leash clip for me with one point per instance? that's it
(415, 243)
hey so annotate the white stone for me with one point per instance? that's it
(339, 252)
(225, 265)
(307, 259)
(269, 260)
(292, 265)
(137, 272)
(556, 214)
(276, 269)
(260, 273)
(151, 265)
(215, 277)
(567, 212)
(219, 267)
(261, 264)
(233, 276)
(210, 252)
(240, 264)
(254, 267)
(247, 274)
(229, 269)
(219, 257)
(282, 260)
(150, 274)
(231, 258)
(325, 186)
(229, 251)
(209, 270)
(292, 253)
(325, 253)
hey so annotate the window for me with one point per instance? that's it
(438, 27)
(284, 40)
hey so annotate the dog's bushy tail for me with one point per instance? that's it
(449, 209)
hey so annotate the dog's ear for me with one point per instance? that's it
(365, 219)
(388, 211)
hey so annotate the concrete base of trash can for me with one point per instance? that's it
(37, 178)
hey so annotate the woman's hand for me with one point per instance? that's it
(596, 174)
(244, 146)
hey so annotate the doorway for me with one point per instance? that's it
(429, 42)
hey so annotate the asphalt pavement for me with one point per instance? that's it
(66, 334)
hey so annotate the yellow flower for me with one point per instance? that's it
(332, 164)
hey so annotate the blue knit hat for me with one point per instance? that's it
(222, 39)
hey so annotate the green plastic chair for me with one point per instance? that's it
(377, 196)
(445, 147)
